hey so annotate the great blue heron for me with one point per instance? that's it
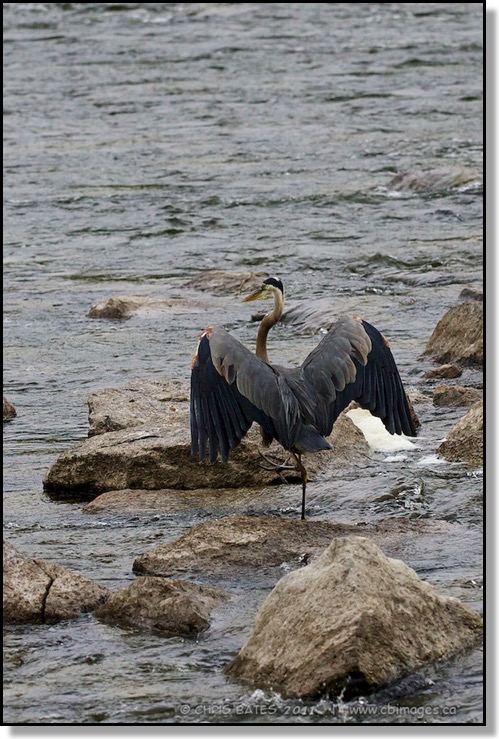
(231, 387)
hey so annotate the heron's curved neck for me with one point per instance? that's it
(267, 322)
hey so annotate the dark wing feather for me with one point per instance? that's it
(353, 362)
(382, 389)
(230, 389)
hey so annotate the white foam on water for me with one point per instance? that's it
(376, 434)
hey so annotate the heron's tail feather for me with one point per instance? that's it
(309, 440)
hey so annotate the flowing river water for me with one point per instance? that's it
(147, 143)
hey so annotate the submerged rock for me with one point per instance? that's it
(220, 282)
(458, 336)
(438, 180)
(456, 395)
(9, 410)
(352, 620)
(262, 546)
(36, 591)
(219, 502)
(469, 293)
(162, 606)
(125, 306)
(445, 371)
(465, 441)
(240, 542)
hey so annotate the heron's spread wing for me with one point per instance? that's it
(231, 388)
(353, 362)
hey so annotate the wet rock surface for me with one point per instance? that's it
(445, 371)
(438, 180)
(125, 306)
(220, 282)
(465, 441)
(240, 543)
(469, 293)
(140, 439)
(456, 396)
(218, 502)
(36, 591)
(266, 545)
(140, 403)
(152, 459)
(351, 620)
(9, 409)
(458, 336)
(162, 606)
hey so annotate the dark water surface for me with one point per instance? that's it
(144, 143)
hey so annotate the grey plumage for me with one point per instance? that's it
(231, 388)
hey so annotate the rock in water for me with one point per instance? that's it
(36, 591)
(9, 410)
(456, 396)
(353, 619)
(440, 180)
(447, 371)
(236, 544)
(125, 306)
(458, 336)
(220, 282)
(163, 606)
(138, 404)
(465, 441)
(140, 438)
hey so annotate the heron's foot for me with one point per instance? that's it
(275, 465)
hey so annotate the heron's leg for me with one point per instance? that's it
(304, 478)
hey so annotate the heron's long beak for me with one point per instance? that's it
(256, 295)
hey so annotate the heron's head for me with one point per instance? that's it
(272, 287)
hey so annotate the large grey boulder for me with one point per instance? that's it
(352, 620)
(35, 591)
(151, 458)
(140, 439)
(458, 336)
(465, 441)
(162, 606)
